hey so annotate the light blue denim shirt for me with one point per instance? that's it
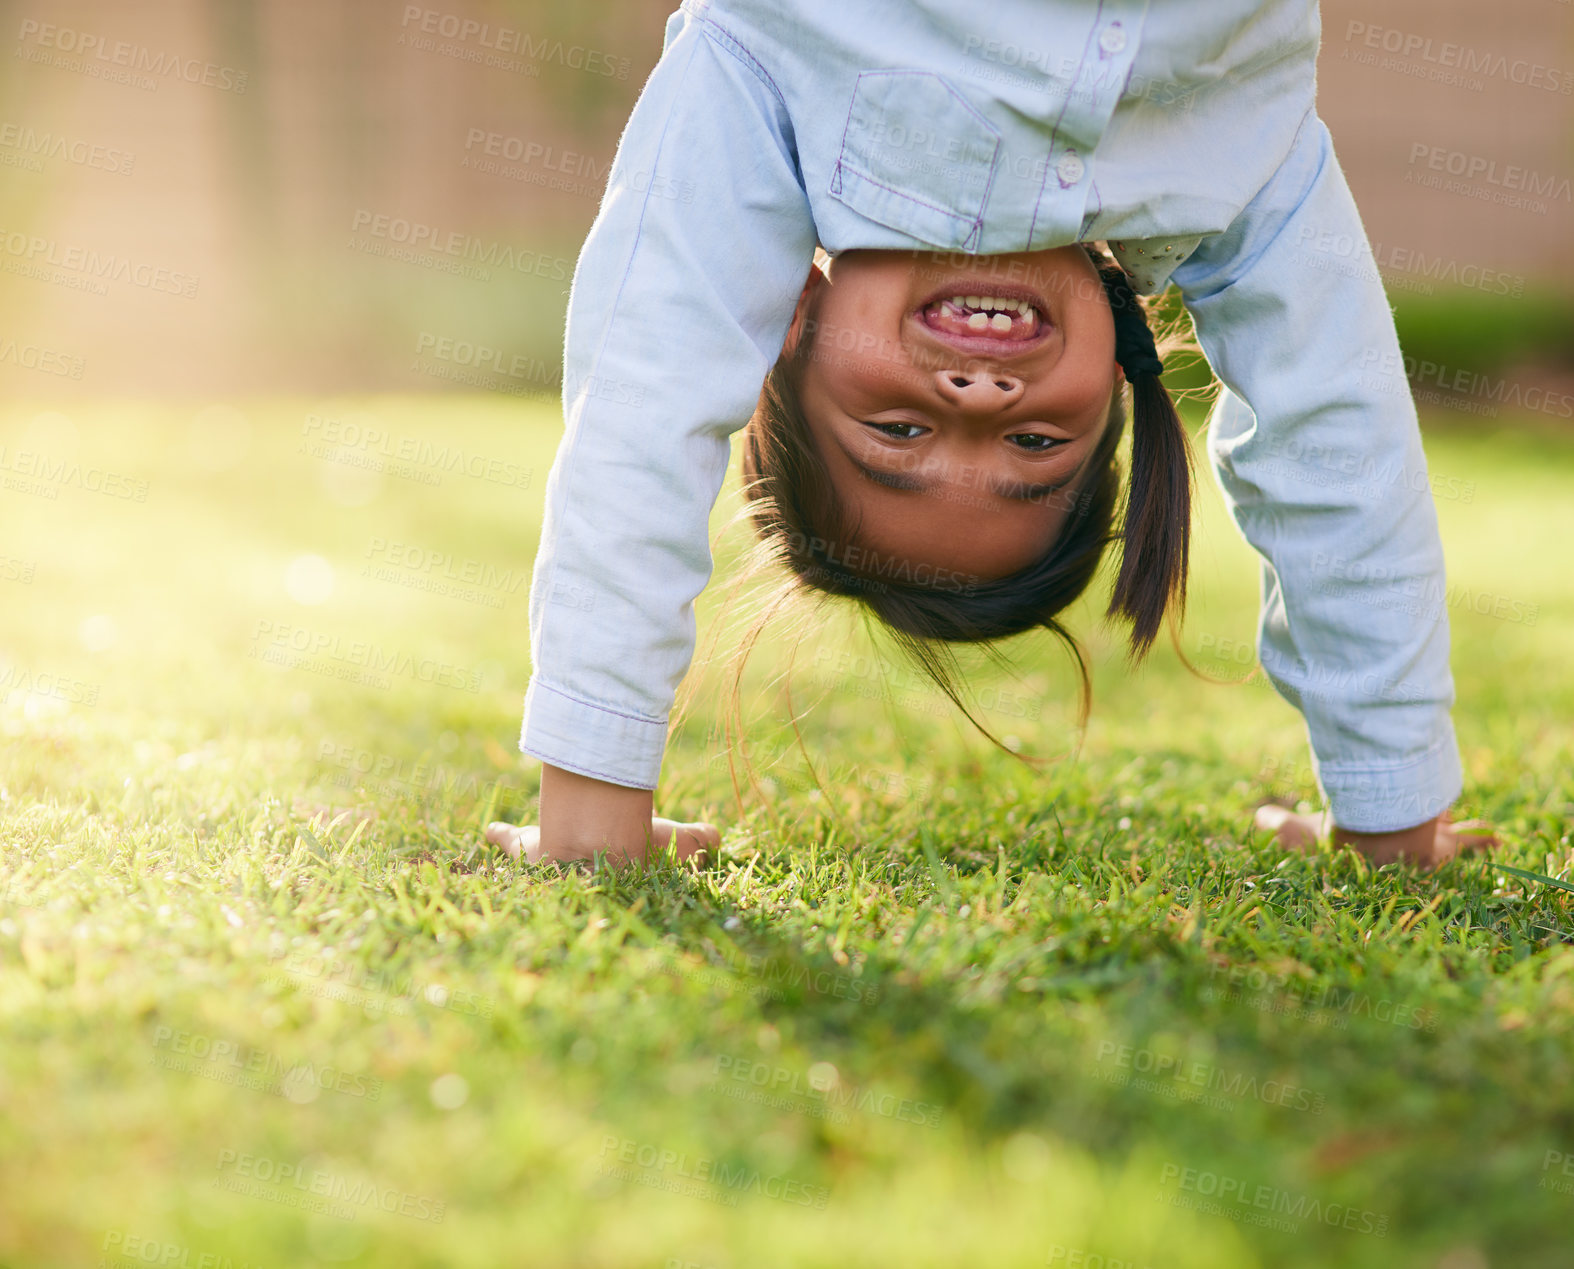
(1182, 134)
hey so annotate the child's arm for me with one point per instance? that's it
(1317, 448)
(680, 302)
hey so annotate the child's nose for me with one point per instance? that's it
(979, 390)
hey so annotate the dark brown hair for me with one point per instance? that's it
(796, 515)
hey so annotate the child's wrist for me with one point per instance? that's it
(585, 815)
(1413, 842)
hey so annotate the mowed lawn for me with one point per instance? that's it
(266, 998)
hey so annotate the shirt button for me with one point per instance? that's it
(1113, 39)
(1069, 169)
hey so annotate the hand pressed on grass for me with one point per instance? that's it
(695, 841)
(1427, 845)
(582, 818)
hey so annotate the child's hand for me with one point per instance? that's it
(582, 818)
(1426, 845)
(524, 840)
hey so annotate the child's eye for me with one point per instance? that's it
(898, 431)
(1035, 441)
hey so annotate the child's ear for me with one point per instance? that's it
(811, 284)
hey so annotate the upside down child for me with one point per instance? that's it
(904, 248)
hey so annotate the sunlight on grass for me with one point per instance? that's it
(268, 999)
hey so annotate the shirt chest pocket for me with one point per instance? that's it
(917, 157)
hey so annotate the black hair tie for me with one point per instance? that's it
(1134, 347)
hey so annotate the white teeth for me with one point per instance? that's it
(985, 312)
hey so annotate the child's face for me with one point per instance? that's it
(950, 446)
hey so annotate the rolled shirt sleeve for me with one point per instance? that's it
(1316, 446)
(680, 302)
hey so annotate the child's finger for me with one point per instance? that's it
(1270, 816)
(1475, 835)
(515, 840)
(693, 841)
(1299, 832)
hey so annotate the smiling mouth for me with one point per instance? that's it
(990, 316)
(980, 322)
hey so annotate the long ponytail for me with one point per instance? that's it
(1156, 533)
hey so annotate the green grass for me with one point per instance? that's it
(246, 925)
